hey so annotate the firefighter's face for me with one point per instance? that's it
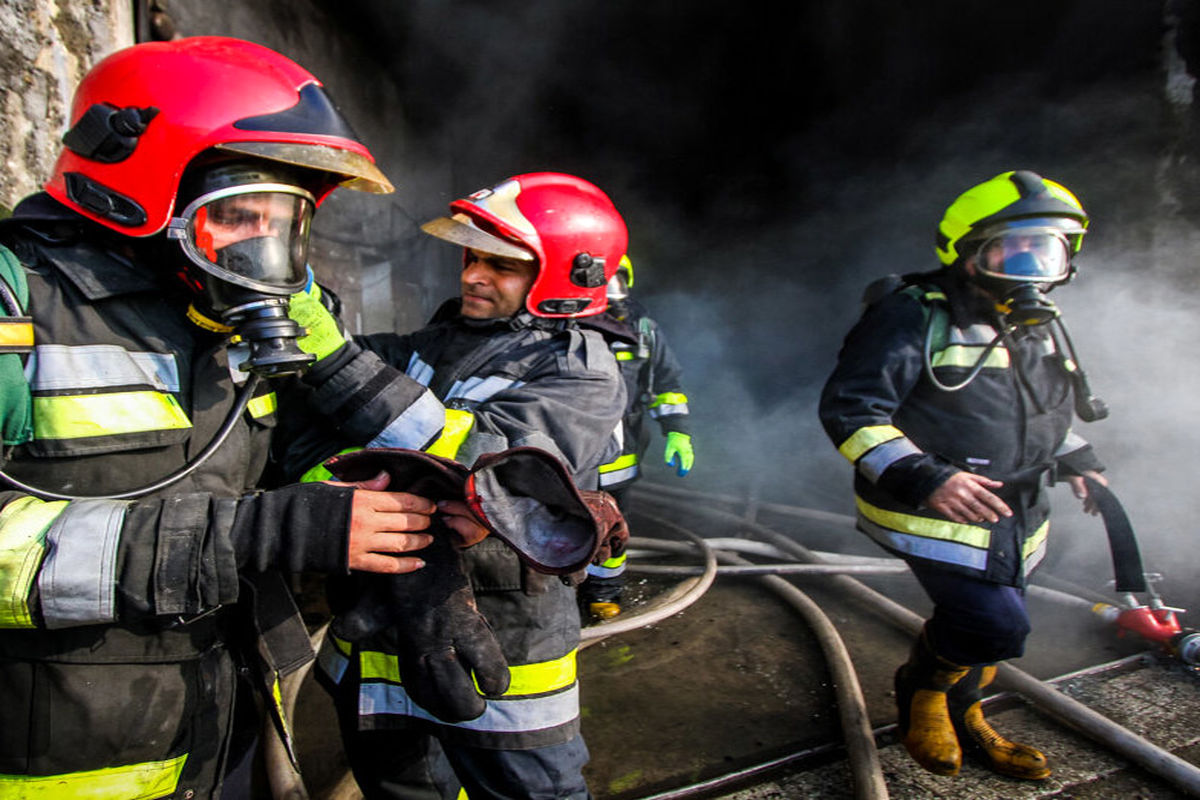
(247, 216)
(494, 287)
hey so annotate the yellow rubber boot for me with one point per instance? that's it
(999, 754)
(925, 725)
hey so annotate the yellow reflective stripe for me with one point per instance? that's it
(547, 676)
(865, 439)
(615, 561)
(961, 355)
(133, 782)
(670, 399)
(23, 526)
(16, 333)
(539, 678)
(263, 405)
(1035, 541)
(319, 473)
(462, 794)
(78, 416)
(623, 462)
(454, 433)
(624, 355)
(972, 535)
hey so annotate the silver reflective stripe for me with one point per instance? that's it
(618, 476)
(413, 429)
(1070, 444)
(501, 716)
(924, 547)
(78, 578)
(57, 367)
(477, 390)
(665, 410)
(979, 333)
(1035, 558)
(332, 661)
(880, 458)
(418, 370)
(606, 572)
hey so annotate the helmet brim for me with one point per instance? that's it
(360, 172)
(458, 229)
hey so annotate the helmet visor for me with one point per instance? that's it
(254, 235)
(1036, 255)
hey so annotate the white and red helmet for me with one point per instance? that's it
(564, 223)
(143, 114)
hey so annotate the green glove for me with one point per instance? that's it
(679, 453)
(325, 333)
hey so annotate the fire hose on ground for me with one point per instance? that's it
(1076, 715)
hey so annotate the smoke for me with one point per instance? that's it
(770, 167)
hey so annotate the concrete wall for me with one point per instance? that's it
(46, 46)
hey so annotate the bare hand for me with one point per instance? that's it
(382, 526)
(1079, 487)
(459, 518)
(966, 497)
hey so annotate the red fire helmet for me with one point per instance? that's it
(141, 115)
(564, 223)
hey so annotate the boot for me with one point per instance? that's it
(981, 739)
(925, 725)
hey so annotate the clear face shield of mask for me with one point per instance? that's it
(1019, 265)
(252, 242)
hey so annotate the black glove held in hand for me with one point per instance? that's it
(429, 619)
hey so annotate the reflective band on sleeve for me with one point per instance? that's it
(23, 526)
(413, 429)
(478, 390)
(667, 404)
(418, 370)
(100, 366)
(620, 470)
(880, 458)
(1070, 444)
(80, 416)
(865, 439)
(263, 405)
(971, 535)
(623, 355)
(133, 782)
(78, 578)
(16, 335)
(458, 427)
(958, 355)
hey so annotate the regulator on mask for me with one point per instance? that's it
(247, 231)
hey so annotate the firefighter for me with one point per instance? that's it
(147, 291)
(503, 365)
(954, 397)
(654, 385)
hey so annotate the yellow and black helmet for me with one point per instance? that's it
(1011, 199)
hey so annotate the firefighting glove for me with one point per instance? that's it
(325, 335)
(679, 453)
(610, 524)
(441, 638)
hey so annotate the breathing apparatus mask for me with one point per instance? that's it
(247, 231)
(1017, 265)
(1020, 264)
